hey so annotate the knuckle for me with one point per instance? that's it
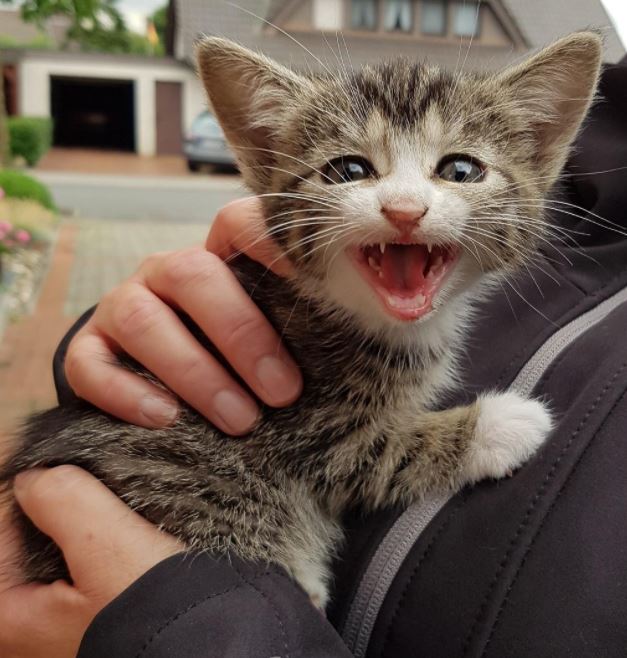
(232, 211)
(183, 269)
(75, 364)
(79, 363)
(134, 314)
(55, 483)
(244, 328)
(193, 371)
(153, 261)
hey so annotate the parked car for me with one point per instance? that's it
(206, 144)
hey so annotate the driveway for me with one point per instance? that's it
(155, 198)
(111, 185)
(89, 258)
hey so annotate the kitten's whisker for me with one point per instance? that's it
(282, 31)
(500, 240)
(285, 155)
(298, 197)
(270, 233)
(603, 223)
(522, 223)
(529, 304)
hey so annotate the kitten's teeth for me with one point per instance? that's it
(382, 247)
(429, 247)
(373, 263)
(420, 300)
(380, 274)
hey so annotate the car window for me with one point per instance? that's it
(206, 125)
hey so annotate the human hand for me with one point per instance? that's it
(138, 318)
(106, 546)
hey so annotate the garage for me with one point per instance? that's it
(93, 113)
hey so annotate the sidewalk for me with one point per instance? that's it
(89, 161)
(28, 345)
(90, 257)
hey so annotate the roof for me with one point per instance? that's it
(542, 20)
(539, 22)
(14, 55)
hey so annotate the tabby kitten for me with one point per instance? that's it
(400, 192)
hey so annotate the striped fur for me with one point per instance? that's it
(364, 433)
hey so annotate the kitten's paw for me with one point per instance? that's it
(313, 578)
(509, 430)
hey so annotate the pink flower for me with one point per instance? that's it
(22, 236)
(6, 226)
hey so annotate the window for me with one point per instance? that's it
(465, 19)
(398, 16)
(433, 17)
(364, 14)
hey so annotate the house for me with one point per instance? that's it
(479, 35)
(124, 102)
(146, 104)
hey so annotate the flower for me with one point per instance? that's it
(22, 236)
(5, 226)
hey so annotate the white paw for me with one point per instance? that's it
(313, 578)
(509, 430)
(318, 593)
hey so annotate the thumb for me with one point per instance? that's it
(105, 544)
(239, 227)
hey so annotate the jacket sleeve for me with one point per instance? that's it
(64, 392)
(198, 606)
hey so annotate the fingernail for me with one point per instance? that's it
(159, 411)
(281, 382)
(25, 479)
(237, 413)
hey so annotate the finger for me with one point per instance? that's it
(239, 227)
(10, 550)
(206, 289)
(92, 370)
(150, 331)
(43, 620)
(106, 545)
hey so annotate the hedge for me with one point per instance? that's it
(30, 137)
(20, 186)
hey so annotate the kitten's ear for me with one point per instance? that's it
(554, 90)
(250, 95)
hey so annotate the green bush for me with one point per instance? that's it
(20, 186)
(30, 137)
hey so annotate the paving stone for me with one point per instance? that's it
(90, 257)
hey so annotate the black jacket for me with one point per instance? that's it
(533, 566)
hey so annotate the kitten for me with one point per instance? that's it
(400, 192)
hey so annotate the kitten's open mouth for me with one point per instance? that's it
(406, 277)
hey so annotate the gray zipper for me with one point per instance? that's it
(407, 529)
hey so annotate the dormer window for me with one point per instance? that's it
(398, 16)
(465, 19)
(433, 17)
(364, 14)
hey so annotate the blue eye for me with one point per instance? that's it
(460, 169)
(347, 169)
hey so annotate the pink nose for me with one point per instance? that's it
(404, 217)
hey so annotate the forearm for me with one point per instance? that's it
(206, 607)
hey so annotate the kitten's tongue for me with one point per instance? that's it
(403, 267)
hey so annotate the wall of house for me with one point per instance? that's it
(34, 89)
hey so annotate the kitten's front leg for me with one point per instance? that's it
(487, 439)
(509, 430)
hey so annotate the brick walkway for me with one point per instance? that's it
(89, 258)
(88, 161)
